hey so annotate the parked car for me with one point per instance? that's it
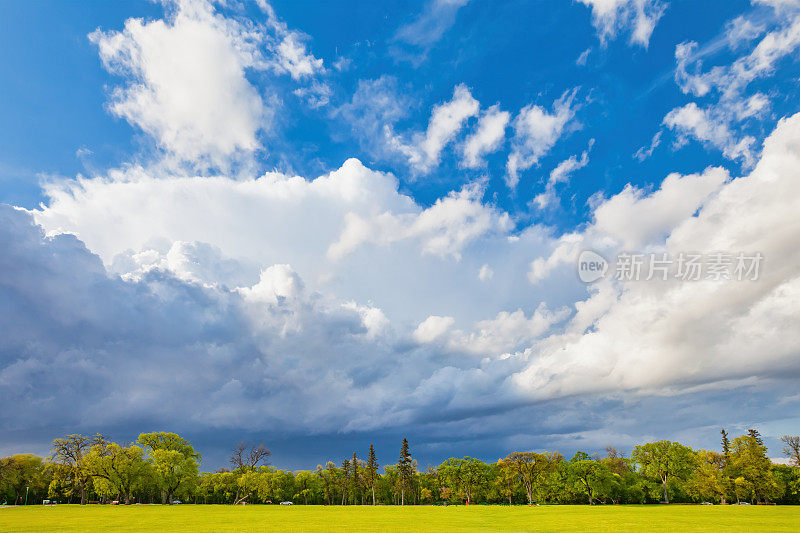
(706, 503)
(741, 503)
(176, 502)
(287, 503)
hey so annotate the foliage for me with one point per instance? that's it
(162, 466)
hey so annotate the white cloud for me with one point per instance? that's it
(488, 137)
(536, 131)
(485, 273)
(288, 48)
(296, 60)
(742, 30)
(197, 353)
(638, 16)
(436, 18)
(445, 228)
(705, 126)
(186, 82)
(447, 119)
(432, 328)
(656, 214)
(673, 336)
(581, 61)
(731, 80)
(561, 174)
(276, 282)
(646, 151)
(316, 95)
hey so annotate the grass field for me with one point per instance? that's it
(194, 519)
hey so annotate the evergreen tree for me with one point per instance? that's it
(354, 474)
(405, 469)
(726, 479)
(726, 445)
(345, 480)
(756, 436)
(371, 471)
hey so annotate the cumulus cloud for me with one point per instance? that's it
(167, 345)
(536, 131)
(674, 335)
(186, 82)
(445, 228)
(432, 328)
(656, 213)
(185, 79)
(639, 17)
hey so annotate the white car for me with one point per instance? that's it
(287, 503)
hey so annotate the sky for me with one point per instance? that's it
(322, 225)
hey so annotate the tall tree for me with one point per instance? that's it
(345, 480)
(753, 467)
(355, 477)
(405, 470)
(530, 467)
(663, 460)
(756, 436)
(588, 476)
(726, 444)
(708, 481)
(119, 468)
(371, 471)
(174, 460)
(69, 452)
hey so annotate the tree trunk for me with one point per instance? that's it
(373, 495)
(83, 492)
(170, 497)
(402, 496)
(666, 498)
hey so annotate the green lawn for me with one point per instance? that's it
(191, 518)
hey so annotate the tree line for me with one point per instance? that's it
(164, 467)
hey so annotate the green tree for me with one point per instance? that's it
(356, 477)
(753, 467)
(24, 475)
(116, 469)
(371, 471)
(345, 480)
(708, 480)
(530, 468)
(175, 462)
(588, 476)
(306, 484)
(69, 452)
(663, 460)
(405, 470)
(463, 477)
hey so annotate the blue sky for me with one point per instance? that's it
(379, 206)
